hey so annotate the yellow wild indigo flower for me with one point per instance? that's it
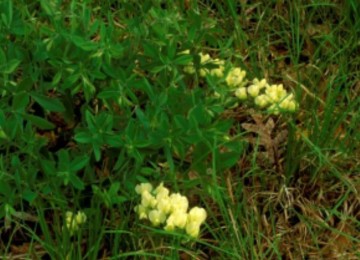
(219, 71)
(241, 93)
(157, 217)
(261, 101)
(256, 87)
(73, 222)
(161, 192)
(178, 202)
(148, 200)
(204, 59)
(177, 219)
(189, 68)
(140, 188)
(142, 211)
(273, 97)
(235, 77)
(160, 207)
(195, 218)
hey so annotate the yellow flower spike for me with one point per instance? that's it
(72, 222)
(178, 202)
(142, 211)
(274, 109)
(261, 101)
(189, 69)
(80, 218)
(253, 90)
(203, 72)
(197, 214)
(157, 217)
(241, 93)
(168, 210)
(219, 71)
(69, 216)
(235, 77)
(289, 104)
(284, 104)
(170, 226)
(261, 84)
(161, 191)
(140, 188)
(193, 229)
(148, 200)
(276, 93)
(292, 106)
(204, 58)
(164, 205)
(72, 227)
(179, 218)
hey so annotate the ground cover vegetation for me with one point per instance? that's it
(179, 129)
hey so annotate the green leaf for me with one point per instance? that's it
(89, 88)
(109, 93)
(227, 160)
(5, 188)
(48, 168)
(2, 57)
(48, 7)
(116, 50)
(8, 16)
(20, 101)
(10, 66)
(76, 181)
(82, 43)
(78, 163)
(64, 160)
(114, 189)
(29, 195)
(97, 152)
(50, 104)
(118, 199)
(142, 118)
(83, 137)
(113, 140)
(39, 122)
(151, 50)
(90, 120)
(183, 60)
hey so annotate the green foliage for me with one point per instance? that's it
(94, 99)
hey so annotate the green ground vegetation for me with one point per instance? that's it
(95, 100)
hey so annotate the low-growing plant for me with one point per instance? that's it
(99, 98)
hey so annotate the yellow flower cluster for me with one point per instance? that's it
(160, 207)
(235, 78)
(73, 222)
(273, 97)
(205, 59)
